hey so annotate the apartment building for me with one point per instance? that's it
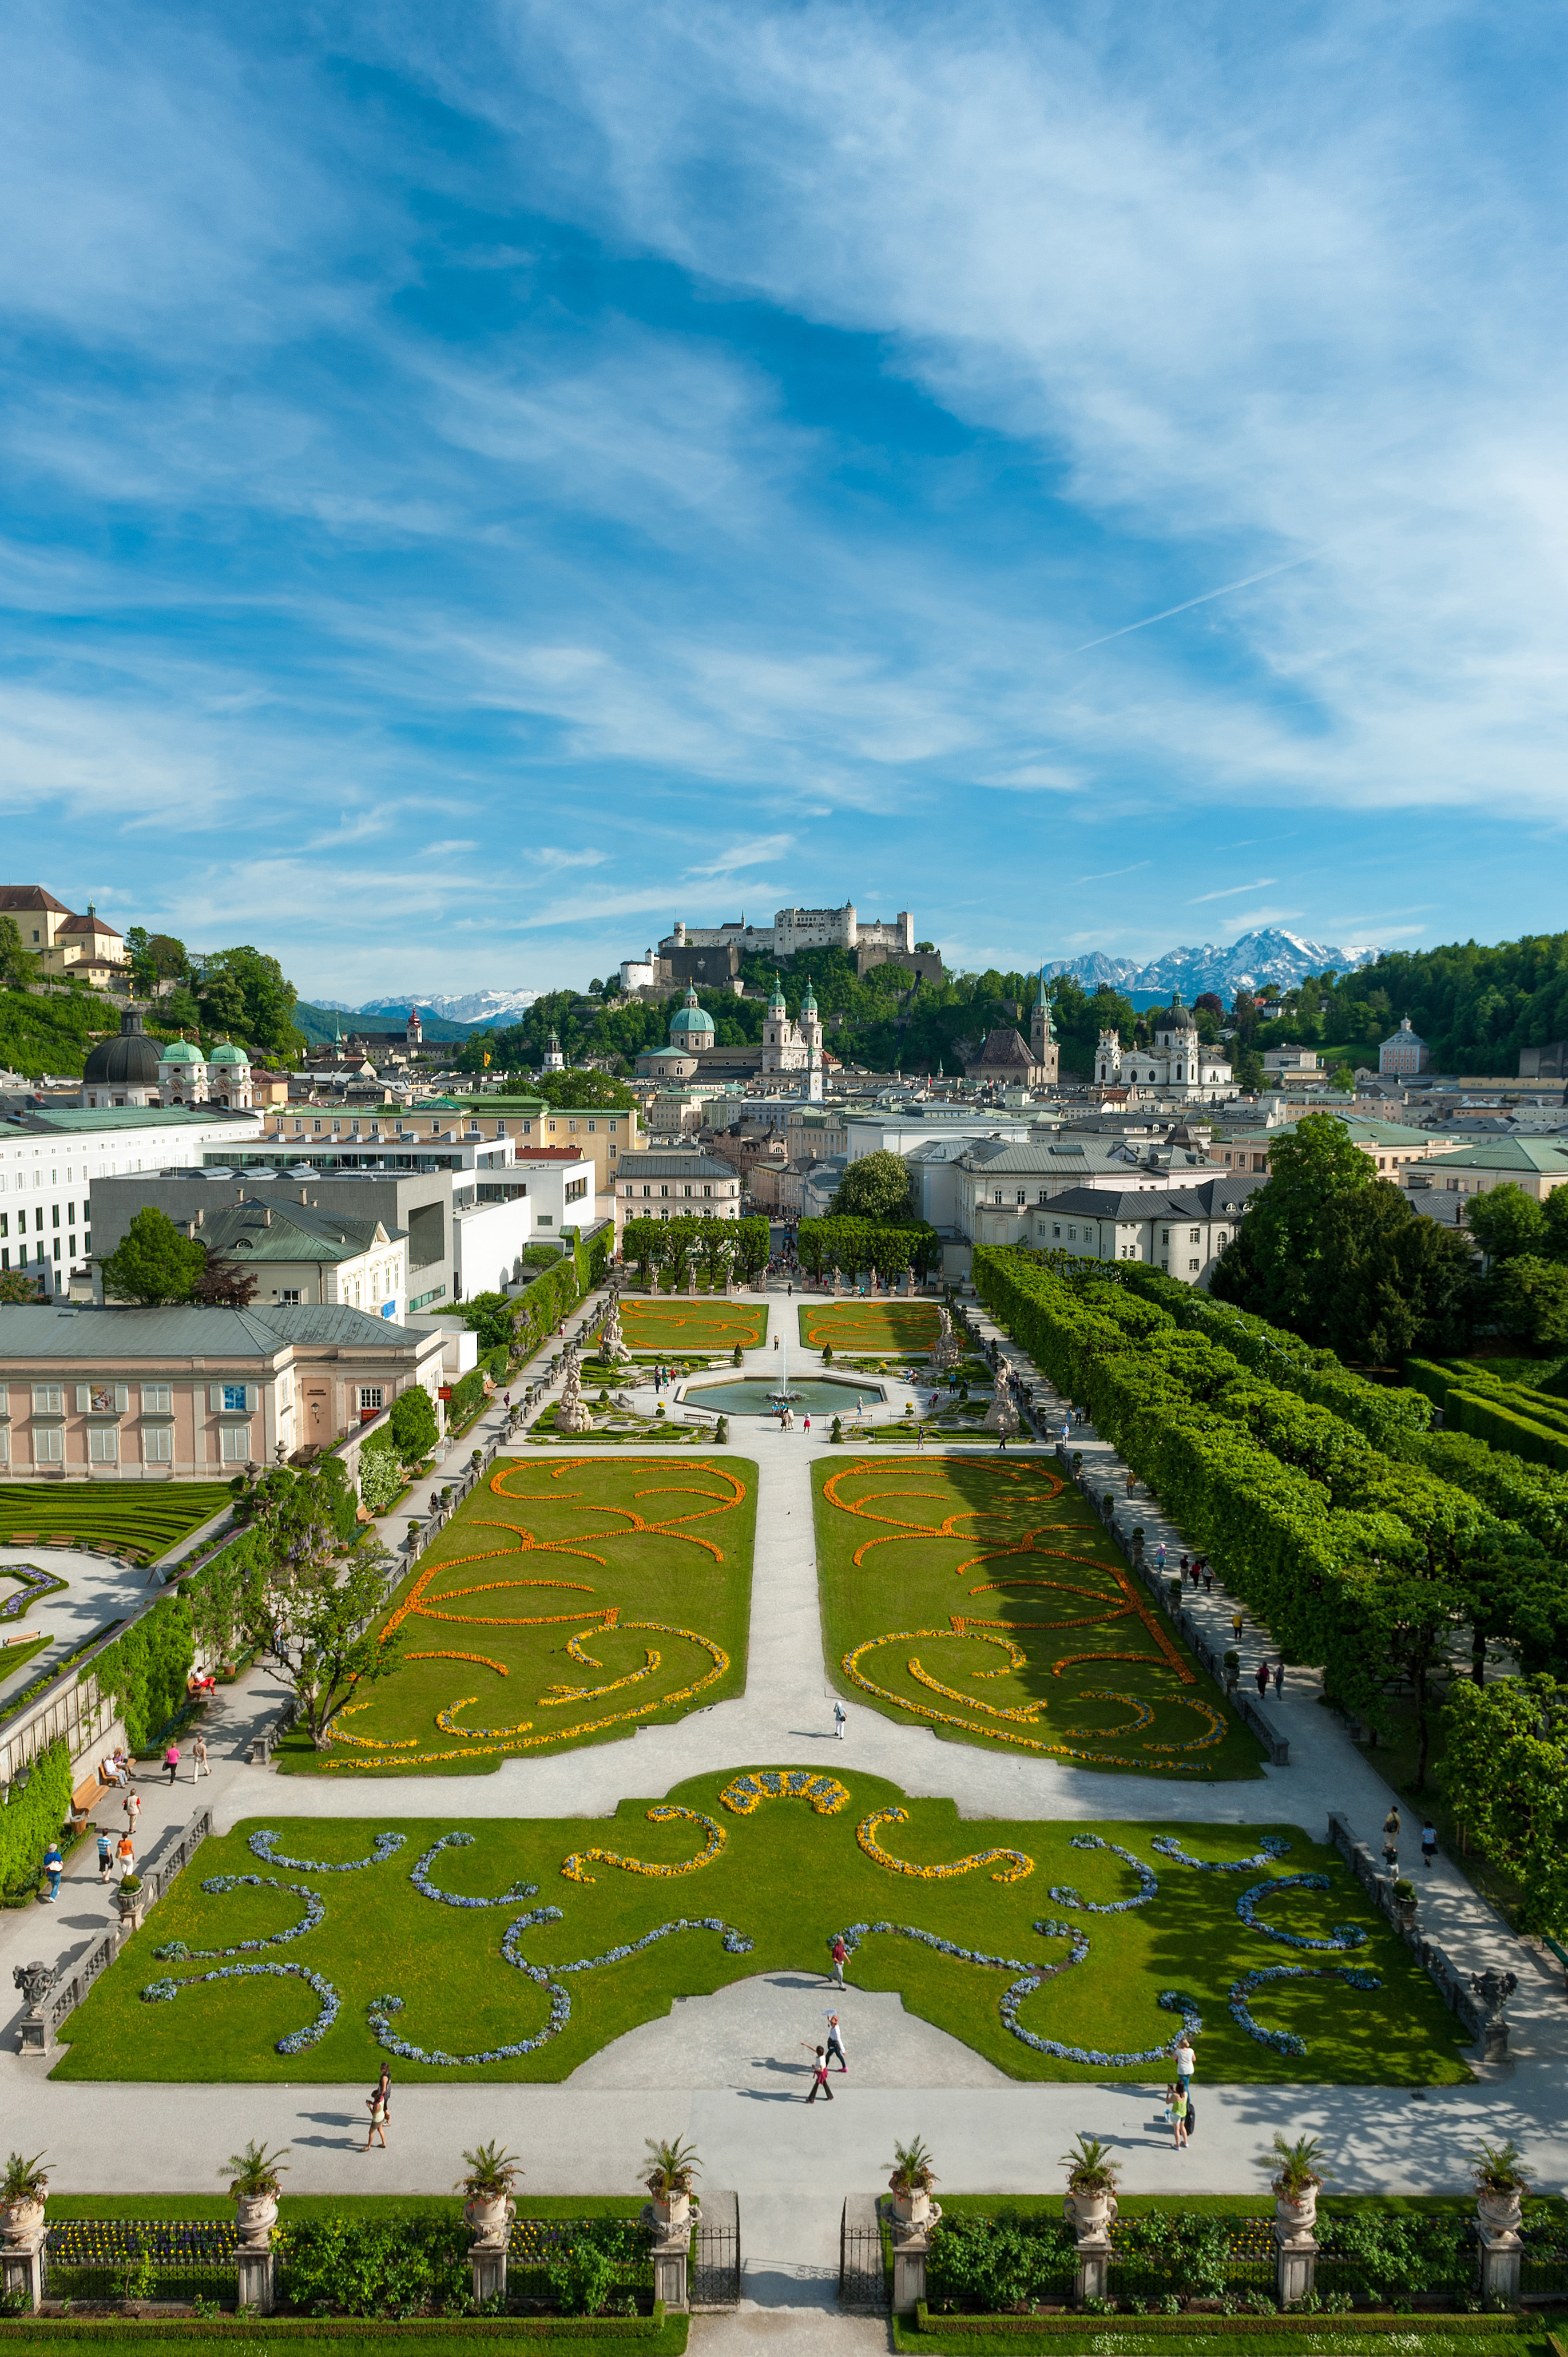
(51, 1158)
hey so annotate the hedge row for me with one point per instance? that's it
(1395, 1420)
(1354, 1559)
(30, 1820)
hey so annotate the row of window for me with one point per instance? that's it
(38, 1218)
(103, 1444)
(114, 1399)
(689, 1188)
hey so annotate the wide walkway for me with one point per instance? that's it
(724, 2070)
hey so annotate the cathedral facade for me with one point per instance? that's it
(1177, 1063)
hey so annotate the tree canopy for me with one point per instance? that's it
(875, 1187)
(1338, 1254)
(152, 1261)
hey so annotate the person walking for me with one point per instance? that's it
(840, 1954)
(1280, 1678)
(1207, 1577)
(1160, 1557)
(1182, 1568)
(818, 2072)
(1428, 1842)
(171, 1761)
(1261, 1673)
(808, 1420)
(125, 1853)
(1185, 2061)
(379, 2104)
(836, 2042)
(131, 1806)
(1391, 1841)
(1237, 1623)
(839, 1715)
(199, 1765)
(54, 1867)
(106, 1854)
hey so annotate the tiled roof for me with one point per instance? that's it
(41, 1330)
(1533, 1154)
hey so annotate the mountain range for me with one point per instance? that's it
(471, 1006)
(1270, 955)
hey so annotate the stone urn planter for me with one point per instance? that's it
(19, 2221)
(671, 2212)
(488, 2215)
(1090, 2214)
(256, 2215)
(1499, 2213)
(911, 2205)
(1297, 2216)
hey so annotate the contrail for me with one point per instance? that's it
(1187, 604)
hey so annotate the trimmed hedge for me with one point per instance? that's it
(1503, 1428)
(1351, 1557)
(141, 2332)
(1078, 2321)
(30, 1820)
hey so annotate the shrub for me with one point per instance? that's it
(339, 2266)
(380, 1479)
(467, 1398)
(583, 2276)
(982, 2264)
(412, 1422)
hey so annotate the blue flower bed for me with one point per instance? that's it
(419, 1877)
(160, 1993)
(1285, 2041)
(1345, 1935)
(175, 1952)
(382, 1847)
(1148, 1887)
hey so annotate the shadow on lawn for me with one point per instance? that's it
(1027, 1560)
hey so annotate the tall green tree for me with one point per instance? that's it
(332, 1646)
(17, 964)
(152, 1261)
(1527, 1297)
(1274, 1267)
(875, 1187)
(1506, 1222)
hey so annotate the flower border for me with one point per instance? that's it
(866, 1836)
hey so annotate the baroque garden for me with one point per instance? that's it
(576, 1597)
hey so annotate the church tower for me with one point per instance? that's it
(1108, 1057)
(1044, 1052)
(811, 1023)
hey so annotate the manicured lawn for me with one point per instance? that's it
(680, 1323)
(981, 1595)
(643, 1617)
(145, 1518)
(1323, 2336)
(888, 1327)
(783, 1878)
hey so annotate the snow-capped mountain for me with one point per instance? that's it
(1270, 955)
(470, 1006)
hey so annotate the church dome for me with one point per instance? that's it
(1176, 1018)
(694, 1027)
(227, 1053)
(128, 1061)
(178, 1051)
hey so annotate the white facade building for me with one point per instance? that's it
(558, 1183)
(1177, 1063)
(488, 1241)
(792, 929)
(49, 1159)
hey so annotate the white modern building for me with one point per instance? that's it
(50, 1158)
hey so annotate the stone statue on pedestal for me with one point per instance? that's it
(573, 1414)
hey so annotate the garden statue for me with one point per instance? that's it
(692, 1282)
(572, 1414)
(613, 1352)
(838, 1279)
(949, 1350)
(1002, 1416)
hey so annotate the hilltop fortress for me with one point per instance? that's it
(712, 954)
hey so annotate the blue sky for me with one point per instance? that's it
(481, 482)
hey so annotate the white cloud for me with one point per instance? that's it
(748, 855)
(1230, 891)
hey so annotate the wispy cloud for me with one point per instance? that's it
(1106, 874)
(747, 854)
(1230, 891)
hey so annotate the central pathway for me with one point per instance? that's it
(724, 2070)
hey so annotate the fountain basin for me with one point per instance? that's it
(809, 1395)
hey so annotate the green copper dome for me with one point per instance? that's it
(693, 1026)
(178, 1051)
(227, 1053)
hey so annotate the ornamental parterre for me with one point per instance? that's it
(1148, 1887)
(1345, 1935)
(1285, 2041)
(866, 1836)
(744, 1794)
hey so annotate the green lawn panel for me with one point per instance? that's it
(981, 1595)
(786, 1878)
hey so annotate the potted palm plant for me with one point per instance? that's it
(1298, 2172)
(255, 2189)
(1501, 2183)
(488, 2181)
(1092, 2176)
(23, 2190)
(911, 2182)
(670, 2170)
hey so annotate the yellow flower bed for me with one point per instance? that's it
(866, 1835)
(572, 1868)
